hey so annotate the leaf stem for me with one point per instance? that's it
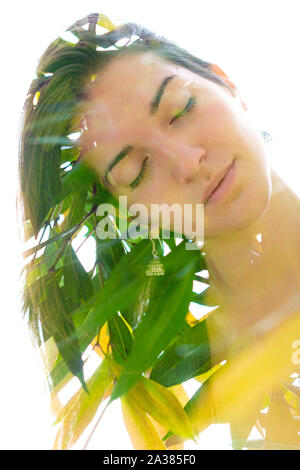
(96, 424)
(68, 239)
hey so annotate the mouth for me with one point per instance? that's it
(221, 185)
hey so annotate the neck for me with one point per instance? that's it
(255, 270)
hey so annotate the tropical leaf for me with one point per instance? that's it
(201, 298)
(120, 338)
(61, 327)
(108, 254)
(187, 357)
(241, 425)
(45, 183)
(100, 343)
(122, 287)
(69, 154)
(164, 317)
(77, 283)
(76, 180)
(203, 377)
(200, 416)
(82, 407)
(181, 395)
(240, 384)
(39, 267)
(120, 291)
(76, 210)
(105, 22)
(281, 429)
(162, 405)
(292, 388)
(58, 236)
(141, 430)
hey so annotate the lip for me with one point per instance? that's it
(221, 184)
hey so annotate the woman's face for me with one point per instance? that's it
(163, 134)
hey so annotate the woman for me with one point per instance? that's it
(146, 120)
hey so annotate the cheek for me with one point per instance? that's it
(218, 125)
(157, 184)
(253, 195)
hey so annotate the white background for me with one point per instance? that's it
(256, 42)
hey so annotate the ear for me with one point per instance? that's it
(234, 91)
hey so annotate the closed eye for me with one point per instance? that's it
(188, 107)
(138, 179)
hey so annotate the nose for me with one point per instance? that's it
(188, 164)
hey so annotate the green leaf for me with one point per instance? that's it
(40, 182)
(120, 338)
(121, 289)
(187, 357)
(39, 267)
(57, 322)
(69, 154)
(109, 253)
(77, 179)
(203, 298)
(51, 240)
(164, 317)
(77, 283)
(201, 264)
(77, 210)
(171, 242)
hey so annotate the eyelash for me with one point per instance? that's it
(188, 107)
(137, 180)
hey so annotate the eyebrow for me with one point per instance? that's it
(157, 99)
(153, 109)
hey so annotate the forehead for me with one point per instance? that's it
(133, 74)
(123, 91)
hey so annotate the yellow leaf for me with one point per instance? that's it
(203, 377)
(55, 405)
(140, 429)
(281, 429)
(69, 376)
(180, 393)
(200, 416)
(163, 406)
(191, 319)
(293, 401)
(100, 344)
(49, 353)
(241, 425)
(105, 22)
(58, 440)
(81, 409)
(251, 373)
